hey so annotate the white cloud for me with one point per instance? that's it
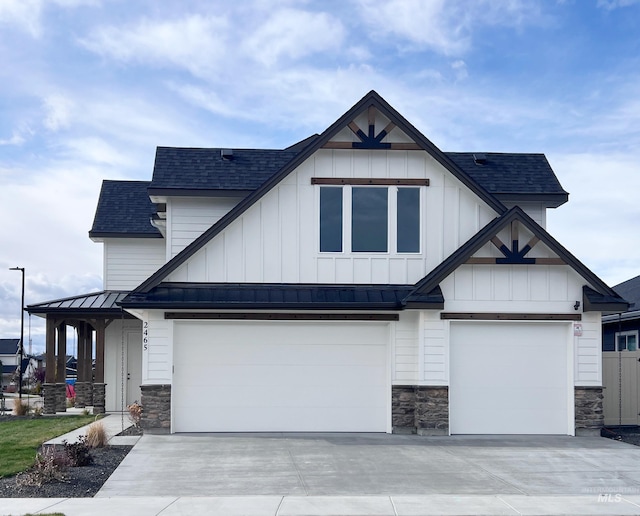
(615, 4)
(16, 139)
(292, 34)
(444, 26)
(460, 69)
(599, 219)
(196, 43)
(23, 14)
(26, 15)
(58, 108)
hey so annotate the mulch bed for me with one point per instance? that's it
(81, 482)
(627, 434)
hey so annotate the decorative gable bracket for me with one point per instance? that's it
(370, 140)
(515, 255)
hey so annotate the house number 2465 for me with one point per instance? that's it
(145, 335)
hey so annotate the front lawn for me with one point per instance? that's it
(21, 438)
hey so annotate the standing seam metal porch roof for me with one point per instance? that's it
(105, 302)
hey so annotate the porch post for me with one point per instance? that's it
(98, 381)
(61, 368)
(49, 387)
(81, 399)
(87, 366)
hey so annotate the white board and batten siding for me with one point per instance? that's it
(189, 217)
(277, 239)
(130, 261)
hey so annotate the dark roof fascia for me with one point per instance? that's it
(550, 200)
(594, 301)
(461, 255)
(371, 99)
(100, 234)
(195, 192)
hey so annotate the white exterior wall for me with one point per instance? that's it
(189, 217)
(130, 261)
(277, 239)
(535, 210)
(405, 348)
(157, 350)
(588, 351)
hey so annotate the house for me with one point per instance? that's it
(361, 280)
(10, 358)
(620, 357)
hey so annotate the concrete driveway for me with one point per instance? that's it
(374, 464)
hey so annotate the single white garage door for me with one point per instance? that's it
(509, 378)
(280, 377)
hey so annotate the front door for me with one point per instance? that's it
(131, 362)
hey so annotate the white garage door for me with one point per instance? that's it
(280, 376)
(509, 378)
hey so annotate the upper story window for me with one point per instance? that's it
(627, 341)
(370, 219)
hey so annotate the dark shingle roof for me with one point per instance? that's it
(270, 296)
(124, 209)
(205, 169)
(9, 346)
(630, 290)
(510, 176)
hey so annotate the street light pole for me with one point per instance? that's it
(21, 269)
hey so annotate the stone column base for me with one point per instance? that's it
(98, 395)
(81, 394)
(156, 409)
(61, 397)
(50, 395)
(420, 409)
(589, 415)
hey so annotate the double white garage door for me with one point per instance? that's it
(281, 376)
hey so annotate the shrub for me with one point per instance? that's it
(37, 411)
(96, 435)
(49, 465)
(20, 408)
(71, 402)
(135, 413)
(79, 453)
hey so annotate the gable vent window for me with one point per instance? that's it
(364, 219)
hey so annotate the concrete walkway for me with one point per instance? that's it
(113, 423)
(401, 505)
(362, 474)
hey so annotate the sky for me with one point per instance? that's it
(89, 88)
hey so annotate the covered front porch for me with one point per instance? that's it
(89, 315)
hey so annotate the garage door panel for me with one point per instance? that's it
(509, 378)
(281, 377)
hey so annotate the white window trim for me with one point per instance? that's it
(627, 333)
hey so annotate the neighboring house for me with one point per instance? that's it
(621, 359)
(10, 358)
(360, 280)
